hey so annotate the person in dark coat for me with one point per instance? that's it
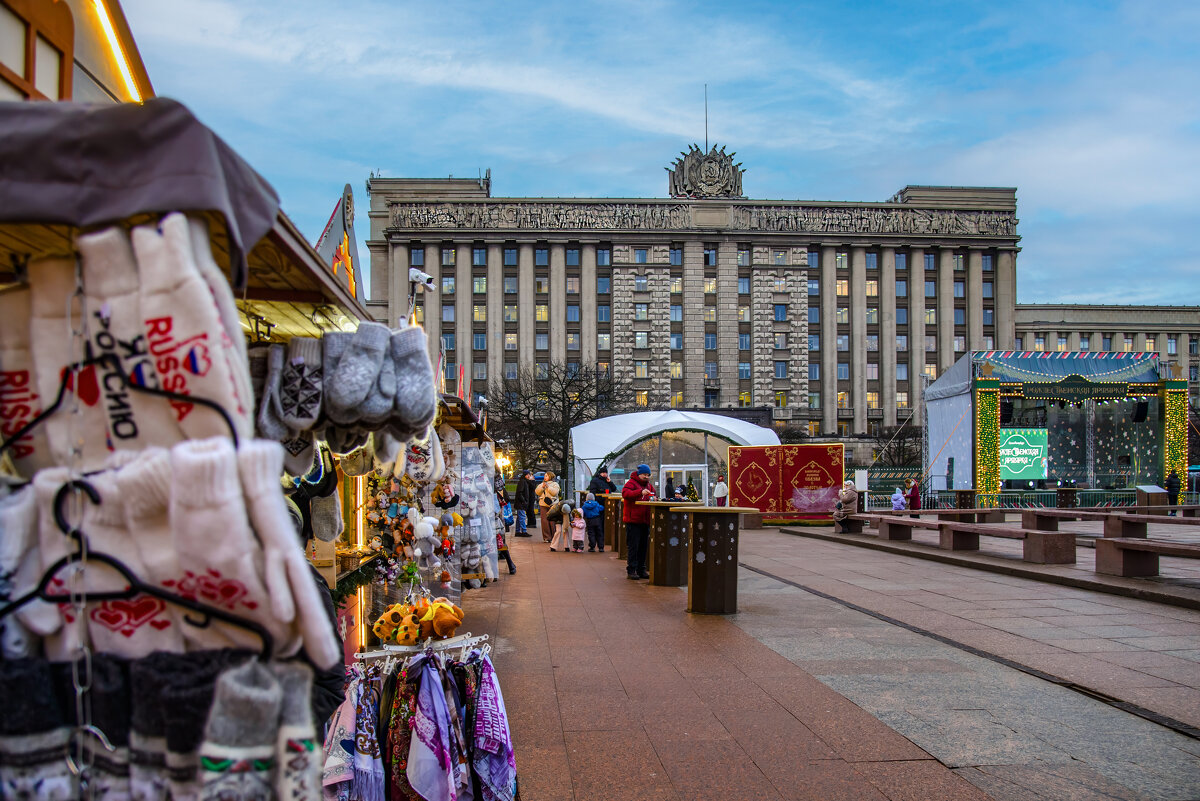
(600, 483)
(526, 501)
(1172, 487)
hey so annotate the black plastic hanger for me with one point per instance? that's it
(111, 360)
(135, 585)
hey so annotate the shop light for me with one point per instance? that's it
(118, 54)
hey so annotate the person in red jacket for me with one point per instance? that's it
(637, 521)
(914, 496)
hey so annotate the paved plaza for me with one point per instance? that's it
(848, 673)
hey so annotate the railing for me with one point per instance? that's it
(1026, 499)
(845, 411)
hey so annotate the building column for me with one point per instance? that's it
(727, 324)
(1097, 341)
(463, 293)
(693, 323)
(1139, 343)
(558, 303)
(975, 299)
(858, 338)
(828, 339)
(887, 334)
(397, 292)
(433, 301)
(916, 327)
(525, 303)
(495, 313)
(380, 274)
(1005, 291)
(945, 309)
(1073, 341)
(587, 311)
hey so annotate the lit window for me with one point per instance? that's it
(602, 285)
(743, 259)
(710, 286)
(872, 315)
(572, 314)
(931, 317)
(448, 257)
(743, 314)
(902, 399)
(872, 289)
(781, 341)
(814, 402)
(510, 314)
(642, 398)
(603, 341)
(872, 400)
(676, 369)
(931, 371)
(781, 398)
(842, 287)
(781, 369)
(842, 261)
(1150, 345)
(541, 313)
(842, 315)
(641, 368)
(676, 399)
(1039, 342)
(843, 399)
(541, 284)
(781, 312)
(902, 342)
(573, 340)
(603, 313)
(744, 398)
(641, 311)
(641, 283)
(447, 285)
(479, 284)
(710, 341)
(602, 368)
(710, 314)
(479, 257)
(1062, 345)
(639, 255)
(510, 341)
(781, 283)
(641, 339)
(541, 341)
(676, 284)
(572, 284)
(743, 369)
(676, 313)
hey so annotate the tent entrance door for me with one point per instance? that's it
(680, 475)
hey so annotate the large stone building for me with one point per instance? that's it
(833, 313)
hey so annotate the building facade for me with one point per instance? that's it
(1171, 331)
(831, 313)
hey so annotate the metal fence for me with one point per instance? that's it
(1027, 499)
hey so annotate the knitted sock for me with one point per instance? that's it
(19, 399)
(298, 755)
(256, 358)
(418, 458)
(387, 453)
(416, 398)
(377, 407)
(192, 352)
(237, 757)
(148, 734)
(110, 279)
(222, 295)
(358, 367)
(360, 461)
(299, 451)
(333, 345)
(327, 522)
(111, 707)
(34, 734)
(20, 569)
(270, 418)
(51, 285)
(300, 388)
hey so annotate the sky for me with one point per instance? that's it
(1090, 109)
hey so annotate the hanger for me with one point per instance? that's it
(135, 585)
(114, 363)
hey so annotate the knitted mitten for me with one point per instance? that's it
(19, 399)
(110, 281)
(298, 753)
(222, 295)
(416, 397)
(300, 385)
(65, 637)
(237, 757)
(20, 570)
(192, 352)
(34, 734)
(360, 461)
(299, 450)
(333, 345)
(327, 521)
(357, 369)
(377, 407)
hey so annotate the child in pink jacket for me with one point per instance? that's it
(578, 531)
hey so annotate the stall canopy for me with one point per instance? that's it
(600, 440)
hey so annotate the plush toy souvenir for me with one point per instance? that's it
(471, 554)
(425, 541)
(391, 618)
(444, 578)
(445, 618)
(409, 630)
(376, 544)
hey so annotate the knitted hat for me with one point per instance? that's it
(643, 468)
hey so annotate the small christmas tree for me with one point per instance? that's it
(690, 493)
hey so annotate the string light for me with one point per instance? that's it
(987, 436)
(1175, 444)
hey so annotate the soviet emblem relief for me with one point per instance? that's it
(697, 174)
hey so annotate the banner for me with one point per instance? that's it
(788, 481)
(1023, 453)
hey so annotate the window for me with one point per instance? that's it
(449, 370)
(541, 313)
(780, 283)
(541, 284)
(710, 369)
(603, 341)
(641, 311)
(479, 341)
(510, 371)
(447, 285)
(781, 369)
(743, 342)
(603, 258)
(743, 258)
(676, 369)
(780, 399)
(572, 340)
(843, 400)
(930, 261)
(779, 257)
(639, 255)
(781, 313)
(872, 261)
(842, 261)
(901, 315)
(743, 369)
(1150, 344)
(1039, 342)
(1172, 345)
(958, 261)
(572, 314)
(710, 314)
(447, 314)
(989, 343)
(987, 262)
(987, 289)
(960, 316)
(872, 289)
(901, 342)
(710, 286)
(901, 288)
(843, 371)
(814, 402)
(510, 257)
(814, 259)
(902, 399)
(510, 341)
(1128, 346)
(872, 315)
(479, 371)
(676, 399)
(641, 283)
(641, 339)
(814, 315)
(572, 284)
(510, 285)
(642, 398)
(602, 369)
(416, 257)
(1085, 343)
(479, 257)
(603, 313)
(676, 254)
(479, 284)
(1193, 346)
(541, 341)
(931, 289)
(842, 315)
(448, 341)
(448, 257)
(676, 313)
(1062, 344)
(743, 286)
(781, 341)
(1194, 373)
(901, 261)
(872, 342)
(814, 341)
(931, 371)
(931, 317)
(743, 314)
(872, 400)
(711, 399)
(960, 289)
(814, 372)
(931, 344)
(676, 284)
(989, 316)
(843, 342)
(602, 285)
(842, 287)
(710, 256)
(541, 257)
(676, 341)
(960, 344)
(573, 259)
(710, 341)
(902, 371)
(1106, 343)
(641, 368)
(745, 398)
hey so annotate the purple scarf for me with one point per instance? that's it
(495, 764)
(368, 767)
(430, 768)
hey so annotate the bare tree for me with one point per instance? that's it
(898, 446)
(535, 412)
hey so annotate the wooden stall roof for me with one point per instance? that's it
(459, 416)
(289, 287)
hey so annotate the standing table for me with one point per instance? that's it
(612, 520)
(668, 549)
(712, 557)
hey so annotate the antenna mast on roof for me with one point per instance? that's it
(705, 118)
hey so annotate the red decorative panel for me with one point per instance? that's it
(793, 481)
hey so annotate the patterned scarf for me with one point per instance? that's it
(368, 768)
(400, 739)
(339, 750)
(430, 767)
(495, 764)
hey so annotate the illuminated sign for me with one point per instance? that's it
(1024, 453)
(1075, 388)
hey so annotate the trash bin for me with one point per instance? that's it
(668, 549)
(712, 557)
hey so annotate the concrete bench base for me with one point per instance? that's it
(1134, 557)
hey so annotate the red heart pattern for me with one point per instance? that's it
(127, 616)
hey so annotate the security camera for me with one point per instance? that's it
(423, 279)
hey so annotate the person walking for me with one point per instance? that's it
(1173, 490)
(636, 517)
(526, 502)
(721, 490)
(593, 518)
(546, 499)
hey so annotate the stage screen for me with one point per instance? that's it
(1023, 453)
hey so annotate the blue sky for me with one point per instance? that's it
(1092, 110)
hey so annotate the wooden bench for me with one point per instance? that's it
(1136, 556)
(1039, 547)
(1126, 525)
(1045, 519)
(978, 515)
